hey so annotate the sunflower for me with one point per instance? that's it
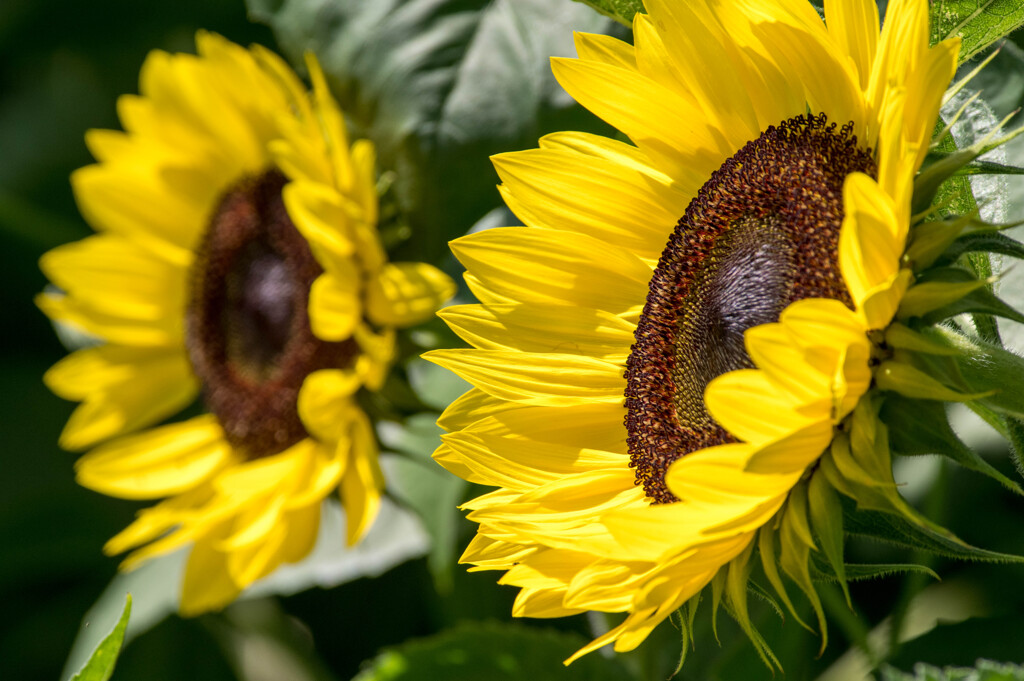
(678, 362)
(237, 258)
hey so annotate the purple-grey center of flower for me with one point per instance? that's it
(247, 322)
(762, 233)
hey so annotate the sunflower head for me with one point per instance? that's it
(237, 260)
(685, 359)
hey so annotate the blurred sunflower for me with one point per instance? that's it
(654, 402)
(237, 257)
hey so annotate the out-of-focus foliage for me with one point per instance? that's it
(496, 652)
(985, 670)
(100, 664)
(439, 86)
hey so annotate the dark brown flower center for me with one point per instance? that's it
(247, 325)
(762, 233)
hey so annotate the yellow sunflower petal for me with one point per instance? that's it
(122, 389)
(538, 379)
(554, 267)
(157, 463)
(362, 484)
(407, 293)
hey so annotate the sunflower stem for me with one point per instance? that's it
(1015, 432)
(913, 582)
(848, 620)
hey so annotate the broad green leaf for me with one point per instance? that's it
(439, 86)
(622, 11)
(101, 663)
(435, 386)
(985, 670)
(921, 427)
(492, 652)
(425, 487)
(979, 23)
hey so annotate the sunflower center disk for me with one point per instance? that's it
(247, 325)
(762, 233)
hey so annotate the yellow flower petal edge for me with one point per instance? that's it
(568, 523)
(203, 126)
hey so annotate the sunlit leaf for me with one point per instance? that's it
(979, 23)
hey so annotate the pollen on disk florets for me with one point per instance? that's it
(247, 323)
(762, 233)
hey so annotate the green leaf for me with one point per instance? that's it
(822, 571)
(622, 11)
(491, 651)
(986, 670)
(895, 529)
(439, 86)
(101, 664)
(429, 490)
(979, 23)
(921, 427)
(989, 168)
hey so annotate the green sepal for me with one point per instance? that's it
(827, 521)
(762, 593)
(906, 380)
(717, 590)
(736, 581)
(904, 338)
(982, 242)
(922, 428)
(863, 467)
(795, 553)
(978, 299)
(929, 296)
(942, 166)
(769, 563)
(683, 618)
(980, 365)
(929, 240)
(764, 651)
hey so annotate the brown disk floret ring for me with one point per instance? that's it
(762, 233)
(247, 323)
